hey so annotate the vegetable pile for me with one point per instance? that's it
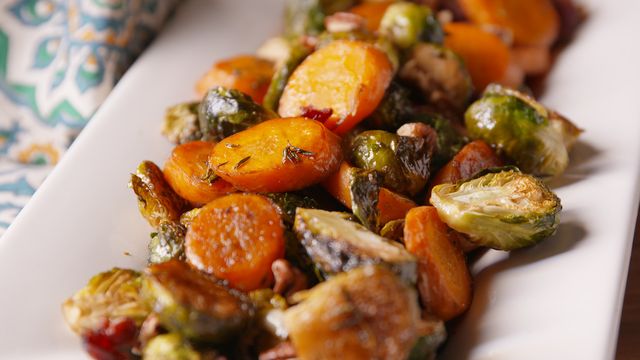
(324, 194)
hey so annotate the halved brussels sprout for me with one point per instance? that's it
(288, 202)
(394, 110)
(167, 243)
(504, 210)
(403, 161)
(393, 230)
(224, 112)
(295, 55)
(181, 123)
(111, 295)
(407, 24)
(336, 244)
(193, 305)
(366, 313)
(365, 193)
(171, 346)
(520, 128)
(156, 199)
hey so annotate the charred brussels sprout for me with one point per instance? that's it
(520, 128)
(170, 346)
(288, 202)
(394, 110)
(503, 210)
(181, 123)
(167, 243)
(191, 304)
(404, 161)
(109, 296)
(224, 112)
(448, 140)
(336, 244)
(368, 303)
(156, 200)
(295, 54)
(407, 24)
(365, 194)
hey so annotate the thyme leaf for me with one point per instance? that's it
(241, 162)
(292, 153)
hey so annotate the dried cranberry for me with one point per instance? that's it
(321, 115)
(113, 340)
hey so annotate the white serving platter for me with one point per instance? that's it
(559, 300)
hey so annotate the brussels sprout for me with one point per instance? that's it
(393, 230)
(407, 24)
(449, 141)
(394, 110)
(303, 17)
(193, 305)
(296, 54)
(520, 128)
(224, 112)
(440, 75)
(567, 130)
(404, 161)
(336, 244)
(366, 313)
(181, 123)
(288, 202)
(365, 192)
(504, 210)
(171, 346)
(167, 243)
(427, 345)
(156, 199)
(111, 295)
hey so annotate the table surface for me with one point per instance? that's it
(629, 338)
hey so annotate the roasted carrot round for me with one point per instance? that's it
(189, 175)
(533, 22)
(340, 85)
(372, 12)
(278, 155)
(247, 73)
(444, 281)
(486, 56)
(236, 238)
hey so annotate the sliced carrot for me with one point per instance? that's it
(372, 12)
(533, 22)
(340, 85)
(236, 238)
(391, 206)
(189, 175)
(247, 73)
(486, 56)
(278, 155)
(444, 282)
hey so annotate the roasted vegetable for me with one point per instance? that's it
(440, 75)
(288, 202)
(407, 24)
(449, 141)
(278, 155)
(296, 53)
(303, 17)
(393, 230)
(403, 161)
(372, 13)
(366, 313)
(503, 210)
(248, 74)
(224, 112)
(167, 243)
(188, 172)
(427, 345)
(269, 313)
(336, 244)
(181, 123)
(156, 200)
(519, 127)
(394, 109)
(173, 346)
(236, 238)
(193, 305)
(339, 85)
(365, 193)
(444, 282)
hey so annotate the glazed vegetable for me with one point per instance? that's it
(427, 345)
(246, 73)
(403, 161)
(519, 127)
(173, 346)
(503, 210)
(278, 155)
(393, 230)
(391, 206)
(181, 123)
(303, 17)
(156, 200)
(193, 305)
(288, 202)
(487, 58)
(394, 109)
(407, 24)
(336, 244)
(224, 112)
(366, 313)
(241, 253)
(371, 12)
(339, 84)
(296, 53)
(365, 193)
(167, 243)
(444, 282)
(532, 22)
(448, 139)
(188, 172)
(440, 75)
